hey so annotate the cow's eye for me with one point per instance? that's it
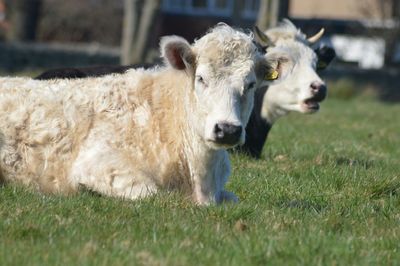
(200, 79)
(250, 86)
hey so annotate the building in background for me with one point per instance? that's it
(365, 33)
(191, 18)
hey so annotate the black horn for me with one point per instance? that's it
(261, 37)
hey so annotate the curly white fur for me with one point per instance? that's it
(129, 135)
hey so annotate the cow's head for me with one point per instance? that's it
(302, 89)
(225, 67)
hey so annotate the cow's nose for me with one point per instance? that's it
(226, 133)
(318, 89)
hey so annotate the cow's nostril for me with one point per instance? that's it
(218, 130)
(232, 129)
(317, 87)
(226, 133)
(318, 90)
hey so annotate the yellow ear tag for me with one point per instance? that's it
(272, 75)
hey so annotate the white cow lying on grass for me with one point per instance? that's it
(301, 90)
(129, 135)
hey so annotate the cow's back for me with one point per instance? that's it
(41, 127)
(45, 125)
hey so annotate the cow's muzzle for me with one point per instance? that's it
(319, 92)
(227, 133)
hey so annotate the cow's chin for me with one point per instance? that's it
(220, 146)
(309, 106)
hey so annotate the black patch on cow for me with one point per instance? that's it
(61, 73)
(325, 56)
(84, 72)
(257, 129)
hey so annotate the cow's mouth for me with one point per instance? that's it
(219, 145)
(312, 104)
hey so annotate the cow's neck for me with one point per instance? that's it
(203, 163)
(271, 112)
(256, 135)
(202, 159)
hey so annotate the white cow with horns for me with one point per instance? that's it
(301, 90)
(129, 135)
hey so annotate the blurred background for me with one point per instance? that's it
(36, 35)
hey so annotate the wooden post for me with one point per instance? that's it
(24, 19)
(145, 28)
(271, 12)
(128, 30)
(262, 17)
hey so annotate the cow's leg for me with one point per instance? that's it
(226, 196)
(109, 172)
(222, 172)
(209, 183)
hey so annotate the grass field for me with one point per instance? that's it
(326, 192)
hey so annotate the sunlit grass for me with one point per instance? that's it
(326, 192)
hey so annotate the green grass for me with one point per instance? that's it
(326, 192)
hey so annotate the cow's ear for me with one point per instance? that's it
(266, 72)
(177, 53)
(271, 68)
(325, 56)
